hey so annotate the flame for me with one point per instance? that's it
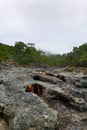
(38, 88)
(61, 77)
(31, 88)
(35, 88)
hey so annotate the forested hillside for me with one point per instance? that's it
(24, 54)
(78, 57)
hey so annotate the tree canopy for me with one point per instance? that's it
(23, 54)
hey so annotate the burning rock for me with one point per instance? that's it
(61, 77)
(35, 88)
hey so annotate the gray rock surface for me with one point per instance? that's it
(61, 106)
(21, 110)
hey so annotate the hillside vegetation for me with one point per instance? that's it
(24, 54)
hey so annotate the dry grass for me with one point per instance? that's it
(76, 69)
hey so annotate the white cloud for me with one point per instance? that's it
(52, 24)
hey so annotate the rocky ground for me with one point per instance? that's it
(42, 98)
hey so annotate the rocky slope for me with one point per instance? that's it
(42, 99)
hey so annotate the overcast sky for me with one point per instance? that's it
(53, 25)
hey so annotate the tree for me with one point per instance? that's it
(6, 52)
(20, 49)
